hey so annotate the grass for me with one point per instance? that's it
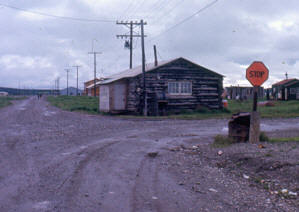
(221, 141)
(265, 138)
(282, 109)
(6, 100)
(75, 103)
(281, 140)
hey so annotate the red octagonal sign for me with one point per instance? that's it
(257, 73)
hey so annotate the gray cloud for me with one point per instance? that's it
(227, 37)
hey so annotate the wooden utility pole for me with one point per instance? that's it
(143, 69)
(131, 44)
(95, 70)
(77, 77)
(58, 92)
(155, 53)
(130, 25)
(67, 80)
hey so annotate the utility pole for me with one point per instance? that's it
(155, 53)
(67, 80)
(58, 91)
(143, 68)
(130, 25)
(131, 36)
(77, 77)
(95, 69)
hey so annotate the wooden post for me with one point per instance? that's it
(131, 44)
(155, 53)
(143, 69)
(254, 133)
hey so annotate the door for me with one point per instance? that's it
(120, 91)
(104, 98)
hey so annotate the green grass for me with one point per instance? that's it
(282, 109)
(221, 141)
(281, 140)
(75, 103)
(6, 100)
(265, 138)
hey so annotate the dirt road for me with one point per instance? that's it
(53, 160)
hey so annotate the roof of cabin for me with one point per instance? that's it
(283, 82)
(149, 67)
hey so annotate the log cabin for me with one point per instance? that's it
(172, 86)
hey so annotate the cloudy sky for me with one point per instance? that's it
(224, 35)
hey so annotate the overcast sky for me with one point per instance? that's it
(225, 37)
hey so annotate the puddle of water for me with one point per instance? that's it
(224, 129)
(48, 113)
(41, 205)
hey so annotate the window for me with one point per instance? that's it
(180, 88)
(292, 90)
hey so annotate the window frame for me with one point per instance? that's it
(179, 88)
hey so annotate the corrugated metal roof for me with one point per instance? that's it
(138, 70)
(98, 81)
(284, 82)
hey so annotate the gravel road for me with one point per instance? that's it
(53, 160)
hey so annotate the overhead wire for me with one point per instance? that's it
(156, 9)
(168, 11)
(56, 16)
(135, 9)
(127, 9)
(185, 19)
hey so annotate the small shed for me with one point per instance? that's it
(3, 93)
(287, 89)
(171, 87)
(243, 93)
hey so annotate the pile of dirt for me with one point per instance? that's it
(268, 176)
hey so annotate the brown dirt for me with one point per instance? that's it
(53, 160)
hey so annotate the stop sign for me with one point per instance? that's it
(257, 73)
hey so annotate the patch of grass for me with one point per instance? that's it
(281, 140)
(268, 155)
(281, 109)
(264, 137)
(222, 141)
(75, 103)
(6, 100)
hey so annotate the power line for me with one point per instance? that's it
(168, 11)
(186, 19)
(136, 8)
(127, 9)
(158, 7)
(55, 16)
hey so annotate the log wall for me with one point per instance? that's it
(207, 88)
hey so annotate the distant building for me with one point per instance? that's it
(72, 91)
(287, 89)
(88, 85)
(172, 86)
(28, 92)
(3, 93)
(243, 93)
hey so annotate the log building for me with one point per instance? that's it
(171, 87)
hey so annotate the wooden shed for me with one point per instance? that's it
(171, 87)
(243, 93)
(287, 89)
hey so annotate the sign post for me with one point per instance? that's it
(257, 73)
